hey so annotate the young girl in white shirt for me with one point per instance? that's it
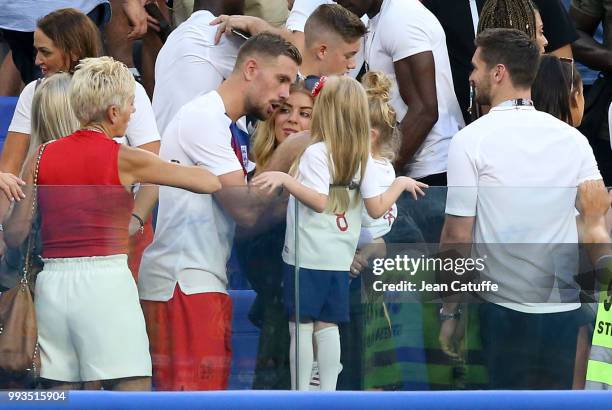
(334, 173)
(370, 321)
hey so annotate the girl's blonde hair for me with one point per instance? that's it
(52, 114)
(264, 139)
(340, 119)
(382, 115)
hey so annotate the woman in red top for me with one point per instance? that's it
(91, 327)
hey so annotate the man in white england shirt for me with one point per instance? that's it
(512, 178)
(183, 277)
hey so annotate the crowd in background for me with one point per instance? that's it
(301, 140)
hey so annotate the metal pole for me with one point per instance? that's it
(296, 286)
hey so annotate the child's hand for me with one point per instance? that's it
(270, 181)
(360, 262)
(413, 186)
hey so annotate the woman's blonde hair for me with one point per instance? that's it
(382, 115)
(52, 114)
(264, 139)
(340, 119)
(97, 84)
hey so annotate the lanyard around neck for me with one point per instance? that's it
(515, 103)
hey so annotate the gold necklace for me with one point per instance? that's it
(95, 128)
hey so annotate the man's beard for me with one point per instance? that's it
(483, 93)
(253, 110)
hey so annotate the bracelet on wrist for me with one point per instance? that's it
(140, 222)
(449, 316)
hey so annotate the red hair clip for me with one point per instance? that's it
(318, 86)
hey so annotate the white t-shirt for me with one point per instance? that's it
(302, 9)
(384, 174)
(194, 235)
(190, 64)
(516, 170)
(141, 128)
(402, 29)
(326, 241)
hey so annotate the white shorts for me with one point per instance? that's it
(90, 323)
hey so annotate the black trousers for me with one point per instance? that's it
(527, 351)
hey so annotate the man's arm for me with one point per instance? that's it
(245, 204)
(416, 79)
(248, 24)
(457, 235)
(276, 207)
(286, 153)
(586, 49)
(593, 202)
(136, 15)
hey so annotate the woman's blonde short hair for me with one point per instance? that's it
(97, 84)
(52, 114)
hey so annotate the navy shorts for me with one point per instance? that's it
(324, 294)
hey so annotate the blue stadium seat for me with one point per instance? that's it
(245, 338)
(7, 108)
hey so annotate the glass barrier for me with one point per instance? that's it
(502, 297)
(205, 293)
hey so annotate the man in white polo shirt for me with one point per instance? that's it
(183, 277)
(512, 178)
